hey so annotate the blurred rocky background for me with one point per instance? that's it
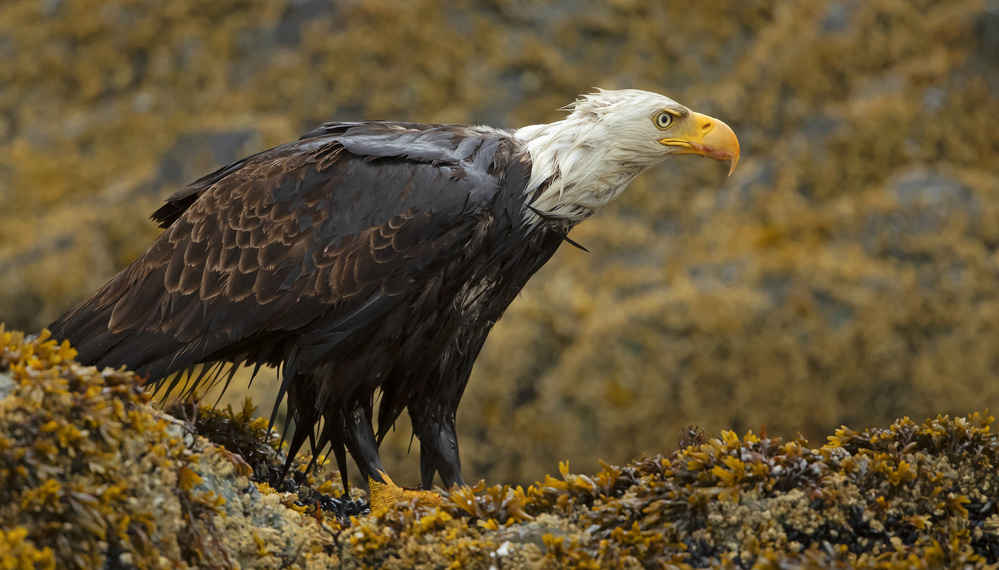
(847, 273)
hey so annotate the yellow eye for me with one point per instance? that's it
(662, 119)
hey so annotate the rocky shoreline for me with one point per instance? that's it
(93, 475)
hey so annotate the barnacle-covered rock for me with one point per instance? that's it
(912, 495)
(92, 475)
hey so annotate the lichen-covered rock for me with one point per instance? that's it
(91, 475)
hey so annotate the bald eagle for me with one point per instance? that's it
(374, 257)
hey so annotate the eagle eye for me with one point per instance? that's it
(662, 119)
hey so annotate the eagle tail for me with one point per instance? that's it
(150, 353)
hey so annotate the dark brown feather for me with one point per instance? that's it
(364, 257)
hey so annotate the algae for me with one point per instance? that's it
(93, 475)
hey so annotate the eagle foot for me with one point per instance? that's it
(383, 494)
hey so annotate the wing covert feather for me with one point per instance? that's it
(306, 233)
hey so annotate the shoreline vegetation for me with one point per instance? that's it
(93, 475)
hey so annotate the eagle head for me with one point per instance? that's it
(584, 161)
(647, 125)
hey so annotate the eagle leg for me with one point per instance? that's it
(360, 440)
(427, 469)
(438, 449)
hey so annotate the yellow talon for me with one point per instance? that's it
(384, 495)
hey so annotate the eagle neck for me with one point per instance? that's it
(576, 169)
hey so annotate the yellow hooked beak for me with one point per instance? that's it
(707, 137)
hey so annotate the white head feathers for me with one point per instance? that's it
(590, 156)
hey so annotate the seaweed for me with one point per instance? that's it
(94, 475)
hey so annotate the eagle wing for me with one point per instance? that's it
(276, 257)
